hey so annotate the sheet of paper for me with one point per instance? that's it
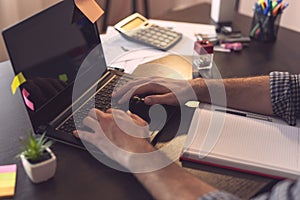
(8, 174)
(130, 61)
(18, 80)
(119, 52)
(90, 9)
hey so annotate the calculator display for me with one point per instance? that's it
(133, 24)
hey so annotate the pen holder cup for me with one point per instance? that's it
(265, 27)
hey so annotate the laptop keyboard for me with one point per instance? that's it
(102, 100)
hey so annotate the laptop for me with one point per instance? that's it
(60, 54)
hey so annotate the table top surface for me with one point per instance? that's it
(79, 175)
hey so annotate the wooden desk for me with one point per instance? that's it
(80, 176)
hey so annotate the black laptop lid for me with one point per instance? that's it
(49, 48)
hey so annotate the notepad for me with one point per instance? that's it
(8, 174)
(242, 143)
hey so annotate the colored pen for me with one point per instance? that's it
(254, 30)
(262, 4)
(270, 7)
(277, 8)
(285, 5)
(274, 4)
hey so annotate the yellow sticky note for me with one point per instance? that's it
(90, 9)
(7, 183)
(18, 80)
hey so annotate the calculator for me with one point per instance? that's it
(138, 29)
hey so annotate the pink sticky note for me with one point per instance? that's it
(8, 168)
(28, 103)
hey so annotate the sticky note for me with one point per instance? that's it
(7, 192)
(90, 9)
(18, 80)
(63, 77)
(28, 103)
(8, 168)
(8, 174)
(7, 183)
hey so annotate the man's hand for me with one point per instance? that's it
(116, 131)
(158, 90)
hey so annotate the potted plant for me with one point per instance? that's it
(37, 158)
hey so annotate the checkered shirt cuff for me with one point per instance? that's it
(218, 195)
(285, 96)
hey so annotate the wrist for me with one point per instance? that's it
(200, 89)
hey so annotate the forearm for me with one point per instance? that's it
(250, 94)
(172, 182)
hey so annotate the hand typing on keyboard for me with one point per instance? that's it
(116, 130)
(160, 91)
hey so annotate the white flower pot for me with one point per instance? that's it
(42, 171)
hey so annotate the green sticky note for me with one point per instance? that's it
(8, 176)
(63, 77)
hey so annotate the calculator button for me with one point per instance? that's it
(173, 34)
(163, 43)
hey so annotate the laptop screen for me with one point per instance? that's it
(49, 48)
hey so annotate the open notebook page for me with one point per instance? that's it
(242, 142)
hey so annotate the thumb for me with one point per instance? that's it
(84, 135)
(168, 99)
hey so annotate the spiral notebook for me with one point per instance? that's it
(249, 144)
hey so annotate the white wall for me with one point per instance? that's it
(181, 4)
(12, 11)
(289, 18)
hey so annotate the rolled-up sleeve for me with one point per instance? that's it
(285, 96)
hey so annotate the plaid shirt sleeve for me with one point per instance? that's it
(285, 96)
(284, 190)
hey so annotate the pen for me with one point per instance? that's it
(277, 8)
(270, 7)
(262, 4)
(244, 114)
